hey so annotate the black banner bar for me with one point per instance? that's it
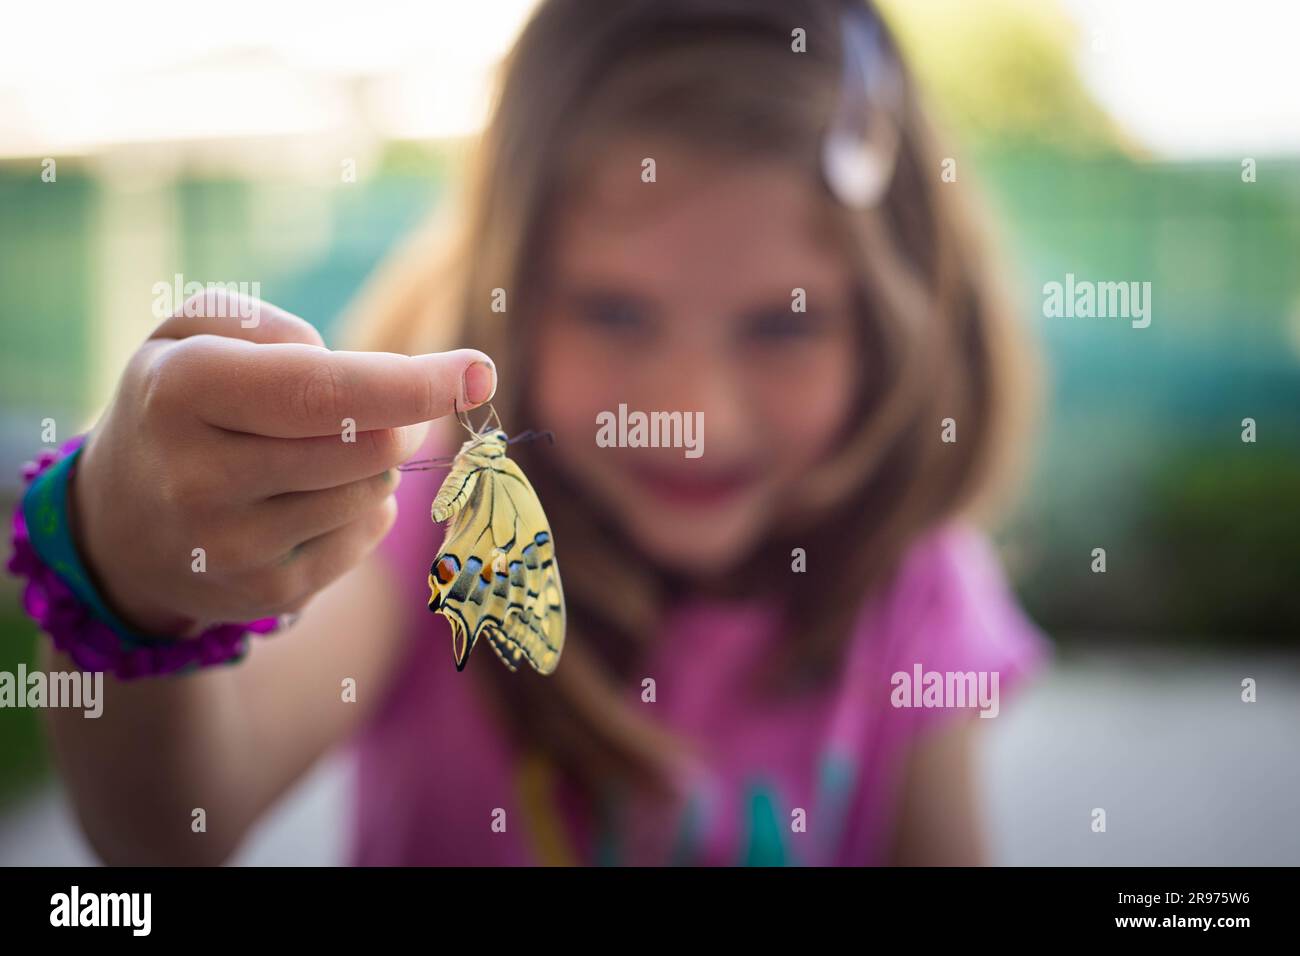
(375, 905)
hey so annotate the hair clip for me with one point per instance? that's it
(860, 147)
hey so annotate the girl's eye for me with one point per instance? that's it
(614, 313)
(781, 325)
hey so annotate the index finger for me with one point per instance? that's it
(288, 390)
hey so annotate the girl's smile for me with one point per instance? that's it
(689, 486)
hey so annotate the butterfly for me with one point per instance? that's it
(496, 576)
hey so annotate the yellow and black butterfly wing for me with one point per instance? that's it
(532, 626)
(496, 575)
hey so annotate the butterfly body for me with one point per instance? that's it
(496, 576)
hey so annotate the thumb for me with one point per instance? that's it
(219, 311)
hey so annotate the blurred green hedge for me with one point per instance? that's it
(22, 749)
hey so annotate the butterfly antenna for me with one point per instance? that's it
(533, 435)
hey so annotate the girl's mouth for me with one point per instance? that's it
(684, 486)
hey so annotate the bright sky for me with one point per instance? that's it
(158, 69)
(1196, 77)
(1186, 77)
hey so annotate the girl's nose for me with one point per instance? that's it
(693, 380)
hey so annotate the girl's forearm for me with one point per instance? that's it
(162, 775)
(227, 741)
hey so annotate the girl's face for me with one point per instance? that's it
(678, 296)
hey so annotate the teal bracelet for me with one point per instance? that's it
(45, 508)
(61, 598)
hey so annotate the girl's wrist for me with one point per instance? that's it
(137, 613)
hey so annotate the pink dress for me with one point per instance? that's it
(809, 782)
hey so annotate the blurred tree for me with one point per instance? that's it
(1002, 73)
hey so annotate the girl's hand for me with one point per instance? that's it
(272, 454)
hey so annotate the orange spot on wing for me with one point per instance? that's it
(446, 571)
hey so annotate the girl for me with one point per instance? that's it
(727, 209)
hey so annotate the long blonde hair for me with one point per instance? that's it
(940, 342)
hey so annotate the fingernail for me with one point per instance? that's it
(479, 383)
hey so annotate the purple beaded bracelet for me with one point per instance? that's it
(77, 622)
